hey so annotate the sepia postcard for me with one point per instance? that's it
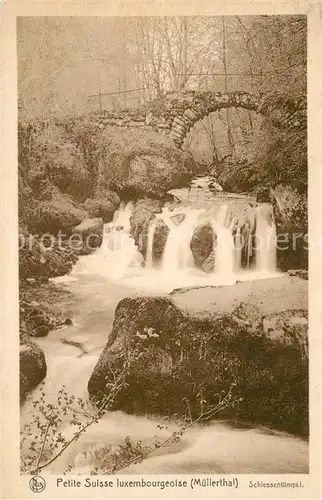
(161, 250)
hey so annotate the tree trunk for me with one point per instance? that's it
(229, 133)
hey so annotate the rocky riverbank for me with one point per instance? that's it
(197, 344)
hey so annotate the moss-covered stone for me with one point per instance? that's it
(33, 367)
(251, 337)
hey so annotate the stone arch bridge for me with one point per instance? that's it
(175, 114)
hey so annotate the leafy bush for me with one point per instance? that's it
(49, 158)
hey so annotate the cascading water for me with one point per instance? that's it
(118, 259)
(225, 247)
(238, 248)
(265, 239)
(177, 254)
(118, 255)
(100, 281)
(149, 247)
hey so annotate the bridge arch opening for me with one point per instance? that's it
(221, 133)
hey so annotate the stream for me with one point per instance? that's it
(96, 284)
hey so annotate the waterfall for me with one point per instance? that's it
(118, 255)
(238, 249)
(177, 254)
(234, 225)
(225, 247)
(265, 238)
(149, 248)
(177, 260)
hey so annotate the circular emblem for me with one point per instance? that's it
(37, 484)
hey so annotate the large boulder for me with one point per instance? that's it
(291, 218)
(61, 214)
(33, 367)
(88, 236)
(141, 163)
(248, 340)
(154, 174)
(103, 209)
(202, 243)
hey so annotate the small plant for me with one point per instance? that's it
(135, 452)
(48, 442)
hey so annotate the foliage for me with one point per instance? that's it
(277, 157)
(52, 177)
(48, 443)
(41, 448)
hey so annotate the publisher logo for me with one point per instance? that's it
(37, 484)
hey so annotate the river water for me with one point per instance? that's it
(96, 285)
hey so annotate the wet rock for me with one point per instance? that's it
(250, 338)
(299, 273)
(33, 368)
(104, 194)
(208, 264)
(100, 209)
(244, 239)
(143, 213)
(88, 236)
(161, 233)
(263, 195)
(202, 243)
(178, 218)
(38, 263)
(215, 187)
(38, 322)
(291, 218)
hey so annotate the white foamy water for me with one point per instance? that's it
(119, 261)
(177, 254)
(266, 234)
